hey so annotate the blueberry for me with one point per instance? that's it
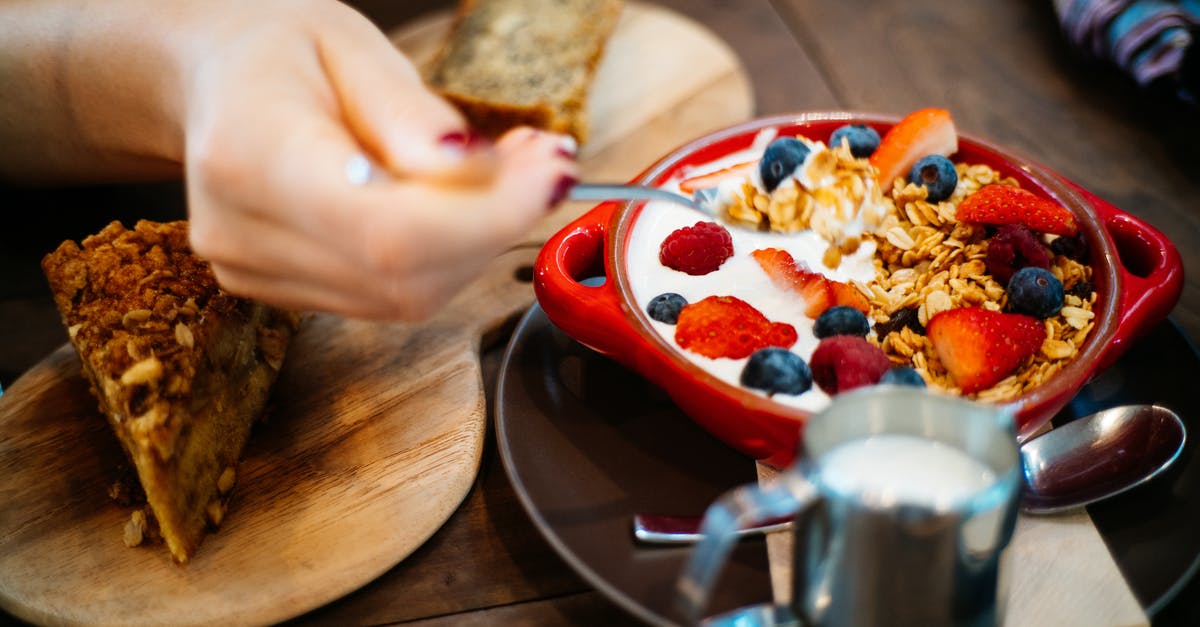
(665, 307)
(1035, 292)
(862, 138)
(781, 158)
(841, 320)
(777, 370)
(937, 174)
(903, 375)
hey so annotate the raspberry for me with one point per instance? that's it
(726, 326)
(697, 249)
(845, 362)
(1013, 247)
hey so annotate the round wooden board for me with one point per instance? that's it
(376, 431)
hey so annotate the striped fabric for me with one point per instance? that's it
(1154, 41)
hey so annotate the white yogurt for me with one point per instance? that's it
(739, 276)
(891, 469)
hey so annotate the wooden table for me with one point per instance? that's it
(1002, 68)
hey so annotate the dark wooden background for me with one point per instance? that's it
(1002, 68)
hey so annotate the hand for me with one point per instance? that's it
(279, 99)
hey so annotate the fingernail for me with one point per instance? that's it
(568, 147)
(561, 189)
(461, 141)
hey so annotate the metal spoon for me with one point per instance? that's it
(1081, 462)
(704, 200)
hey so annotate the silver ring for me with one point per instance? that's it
(358, 170)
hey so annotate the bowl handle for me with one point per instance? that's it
(591, 314)
(1151, 275)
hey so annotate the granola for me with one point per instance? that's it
(926, 262)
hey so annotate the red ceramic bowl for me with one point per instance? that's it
(1137, 273)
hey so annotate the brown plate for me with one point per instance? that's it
(588, 443)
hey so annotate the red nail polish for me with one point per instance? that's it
(462, 140)
(561, 188)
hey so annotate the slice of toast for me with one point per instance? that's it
(507, 63)
(181, 368)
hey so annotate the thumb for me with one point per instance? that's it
(391, 112)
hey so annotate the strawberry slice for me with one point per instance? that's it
(706, 181)
(819, 293)
(980, 347)
(922, 132)
(727, 326)
(1005, 204)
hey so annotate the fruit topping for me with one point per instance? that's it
(980, 347)
(922, 132)
(903, 375)
(726, 326)
(697, 249)
(841, 320)
(907, 318)
(1014, 247)
(845, 362)
(777, 370)
(780, 160)
(937, 174)
(862, 139)
(1004, 204)
(665, 307)
(1080, 289)
(1035, 292)
(1072, 247)
(819, 293)
(712, 179)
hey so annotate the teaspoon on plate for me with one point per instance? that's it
(1079, 463)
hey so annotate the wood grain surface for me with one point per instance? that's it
(377, 430)
(374, 437)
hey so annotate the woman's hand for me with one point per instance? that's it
(279, 118)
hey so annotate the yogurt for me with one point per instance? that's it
(739, 276)
(891, 469)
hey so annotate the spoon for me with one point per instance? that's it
(704, 200)
(1082, 462)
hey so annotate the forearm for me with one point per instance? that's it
(89, 90)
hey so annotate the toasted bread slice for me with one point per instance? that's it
(508, 63)
(181, 368)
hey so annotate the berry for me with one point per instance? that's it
(710, 180)
(1035, 292)
(903, 375)
(665, 307)
(819, 293)
(841, 320)
(780, 160)
(1072, 247)
(1081, 289)
(922, 132)
(845, 362)
(937, 174)
(726, 326)
(1005, 204)
(908, 318)
(777, 371)
(863, 140)
(697, 249)
(1014, 247)
(979, 347)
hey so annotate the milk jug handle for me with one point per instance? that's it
(747, 505)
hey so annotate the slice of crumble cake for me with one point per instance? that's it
(181, 368)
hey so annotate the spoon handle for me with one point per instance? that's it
(610, 191)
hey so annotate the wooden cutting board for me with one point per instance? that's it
(377, 429)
